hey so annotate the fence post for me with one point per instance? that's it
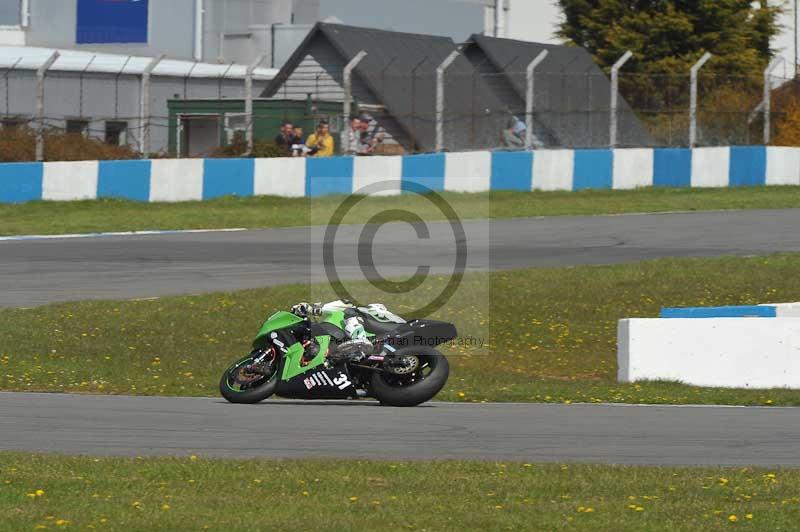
(144, 106)
(767, 105)
(248, 101)
(693, 104)
(614, 118)
(440, 71)
(40, 73)
(529, 98)
(116, 88)
(222, 78)
(80, 82)
(348, 98)
(413, 103)
(5, 79)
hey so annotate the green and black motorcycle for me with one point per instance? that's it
(313, 358)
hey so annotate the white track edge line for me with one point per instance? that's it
(19, 238)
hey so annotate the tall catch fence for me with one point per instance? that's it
(430, 106)
(119, 100)
(433, 105)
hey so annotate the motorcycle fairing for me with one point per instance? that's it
(321, 383)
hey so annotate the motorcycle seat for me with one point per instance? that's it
(376, 327)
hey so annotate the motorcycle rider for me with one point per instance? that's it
(358, 344)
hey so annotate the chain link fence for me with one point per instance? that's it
(420, 108)
(112, 100)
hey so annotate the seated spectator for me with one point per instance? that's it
(299, 143)
(320, 143)
(285, 138)
(354, 137)
(511, 139)
(369, 141)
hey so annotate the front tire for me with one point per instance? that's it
(413, 388)
(258, 391)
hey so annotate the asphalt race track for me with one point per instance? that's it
(37, 272)
(41, 271)
(139, 426)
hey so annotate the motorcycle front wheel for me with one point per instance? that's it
(411, 376)
(247, 383)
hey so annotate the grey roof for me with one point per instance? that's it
(572, 94)
(400, 70)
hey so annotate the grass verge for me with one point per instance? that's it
(63, 493)
(118, 215)
(537, 348)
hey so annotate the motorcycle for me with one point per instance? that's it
(312, 357)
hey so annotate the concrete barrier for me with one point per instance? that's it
(197, 179)
(714, 352)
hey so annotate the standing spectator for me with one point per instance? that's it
(320, 143)
(511, 139)
(285, 138)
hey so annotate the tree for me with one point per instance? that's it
(668, 36)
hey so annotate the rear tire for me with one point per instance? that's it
(250, 396)
(416, 393)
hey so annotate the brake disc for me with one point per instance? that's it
(404, 365)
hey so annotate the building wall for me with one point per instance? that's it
(10, 13)
(233, 30)
(171, 29)
(533, 20)
(104, 97)
(320, 75)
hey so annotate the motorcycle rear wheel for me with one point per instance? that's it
(414, 388)
(262, 388)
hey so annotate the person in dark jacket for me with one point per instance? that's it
(285, 138)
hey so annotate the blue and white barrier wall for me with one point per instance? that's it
(730, 347)
(779, 310)
(200, 179)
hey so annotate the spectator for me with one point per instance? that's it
(320, 143)
(285, 138)
(520, 128)
(299, 143)
(511, 139)
(354, 137)
(369, 141)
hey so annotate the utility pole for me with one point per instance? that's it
(796, 47)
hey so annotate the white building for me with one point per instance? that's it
(238, 31)
(95, 87)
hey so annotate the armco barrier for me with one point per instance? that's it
(200, 179)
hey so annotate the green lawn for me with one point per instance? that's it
(550, 333)
(138, 494)
(116, 215)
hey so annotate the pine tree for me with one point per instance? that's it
(668, 36)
